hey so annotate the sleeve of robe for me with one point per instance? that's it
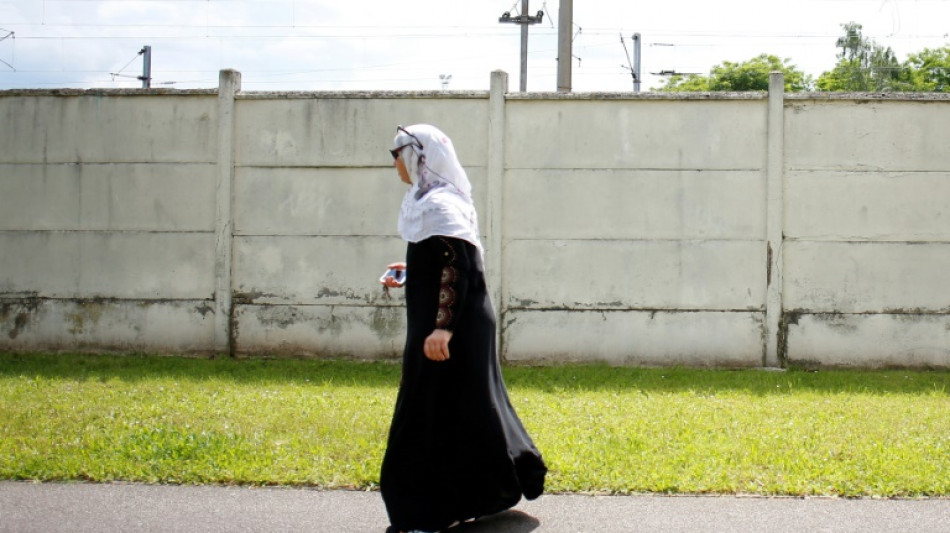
(453, 258)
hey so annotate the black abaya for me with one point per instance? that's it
(457, 449)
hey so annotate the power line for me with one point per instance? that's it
(78, 40)
(372, 31)
(8, 35)
(385, 30)
(119, 72)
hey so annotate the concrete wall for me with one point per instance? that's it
(106, 221)
(720, 230)
(315, 201)
(867, 251)
(634, 231)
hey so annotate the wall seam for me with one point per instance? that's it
(775, 338)
(496, 192)
(229, 83)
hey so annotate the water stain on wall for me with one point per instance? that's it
(16, 315)
(387, 322)
(87, 314)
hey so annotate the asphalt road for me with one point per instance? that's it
(83, 507)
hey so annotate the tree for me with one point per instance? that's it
(751, 75)
(686, 83)
(929, 70)
(863, 66)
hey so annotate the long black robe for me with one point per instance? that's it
(457, 449)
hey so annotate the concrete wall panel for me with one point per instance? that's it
(314, 270)
(880, 206)
(40, 197)
(322, 201)
(324, 331)
(107, 265)
(316, 201)
(877, 340)
(108, 129)
(644, 134)
(343, 132)
(629, 204)
(152, 197)
(865, 277)
(632, 337)
(653, 275)
(868, 135)
(124, 326)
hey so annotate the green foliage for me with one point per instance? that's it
(929, 70)
(600, 428)
(751, 75)
(863, 66)
(686, 83)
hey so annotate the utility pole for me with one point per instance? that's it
(634, 66)
(565, 42)
(524, 20)
(636, 62)
(146, 76)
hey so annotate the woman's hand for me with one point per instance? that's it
(436, 346)
(390, 281)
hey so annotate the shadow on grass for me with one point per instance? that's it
(86, 367)
(552, 379)
(596, 378)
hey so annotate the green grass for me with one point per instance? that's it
(601, 429)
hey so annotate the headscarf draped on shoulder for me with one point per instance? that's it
(440, 199)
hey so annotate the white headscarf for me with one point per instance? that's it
(440, 199)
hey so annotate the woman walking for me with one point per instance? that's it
(456, 450)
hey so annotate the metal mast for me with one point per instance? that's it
(634, 66)
(146, 76)
(565, 22)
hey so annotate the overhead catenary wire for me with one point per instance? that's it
(289, 29)
(363, 31)
(4, 35)
(119, 72)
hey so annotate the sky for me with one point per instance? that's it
(284, 45)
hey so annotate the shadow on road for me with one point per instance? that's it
(507, 522)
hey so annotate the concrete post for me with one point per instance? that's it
(229, 83)
(775, 218)
(496, 193)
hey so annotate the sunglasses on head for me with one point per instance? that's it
(416, 141)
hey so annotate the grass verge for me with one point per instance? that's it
(601, 429)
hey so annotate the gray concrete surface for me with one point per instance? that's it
(738, 227)
(81, 507)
